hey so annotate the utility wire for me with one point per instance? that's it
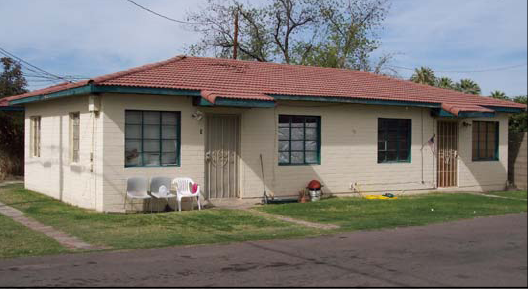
(465, 71)
(7, 53)
(162, 16)
(35, 74)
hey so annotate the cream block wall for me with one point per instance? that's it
(348, 150)
(52, 173)
(115, 173)
(483, 175)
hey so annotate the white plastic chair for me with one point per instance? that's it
(160, 188)
(137, 188)
(184, 190)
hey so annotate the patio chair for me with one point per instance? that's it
(160, 188)
(137, 188)
(184, 190)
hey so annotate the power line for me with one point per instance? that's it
(162, 16)
(465, 71)
(7, 53)
(36, 74)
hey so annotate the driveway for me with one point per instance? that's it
(480, 252)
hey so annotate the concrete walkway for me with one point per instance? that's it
(297, 221)
(64, 239)
(248, 205)
(498, 197)
(7, 183)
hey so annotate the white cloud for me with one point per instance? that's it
(462, 35)
(93, 37)
(96, 36)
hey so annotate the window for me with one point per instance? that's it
(152, 138)
(74, 137)
(35, 136)
(299, 140)
(485, 140)
(394, 140)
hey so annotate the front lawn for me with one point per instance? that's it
(354, 213)
(17, 240)
(134, 231)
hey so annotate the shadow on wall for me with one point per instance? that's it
(348, 155)
(482, 175)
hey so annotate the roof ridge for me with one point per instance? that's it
(407, 81)
(122, 73)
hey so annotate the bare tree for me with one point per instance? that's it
(330, 33)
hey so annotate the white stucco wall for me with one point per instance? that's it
(348, 151)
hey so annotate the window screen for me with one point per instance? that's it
(485, 140)
(74, 137)
(394, 140)
(299, 140)
(152, 138)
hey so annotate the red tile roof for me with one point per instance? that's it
(237, 79)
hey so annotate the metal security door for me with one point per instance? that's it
(221, 156)
(447, 165)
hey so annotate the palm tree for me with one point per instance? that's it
(444, 82)
(468, 86)
(424, 75)
(499, 95)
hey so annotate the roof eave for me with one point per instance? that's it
(354, 100)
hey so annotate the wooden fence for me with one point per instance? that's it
(517, 159)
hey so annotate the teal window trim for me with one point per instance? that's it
(476, 155)
(160, 139)
(304, 140)
(385, 140)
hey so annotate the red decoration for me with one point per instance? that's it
(314, 185)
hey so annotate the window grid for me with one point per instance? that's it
(75, 137)
(304, 151)
(35, 136)
(160, 139)
(479, 138)
(384, 125)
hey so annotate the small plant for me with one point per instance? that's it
(304, 196)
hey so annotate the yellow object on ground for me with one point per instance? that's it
(378, 197)
(372, 197)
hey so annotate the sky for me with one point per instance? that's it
(87, 38)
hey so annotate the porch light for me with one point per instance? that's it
(198, 115)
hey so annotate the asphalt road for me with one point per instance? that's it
(480, 252)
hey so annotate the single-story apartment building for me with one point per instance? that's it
(211, 119)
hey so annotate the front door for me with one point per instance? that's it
(221, 156)
(447, 155)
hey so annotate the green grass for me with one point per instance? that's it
(361, 214)
(134, 231)
(17, 240)
(512, 194)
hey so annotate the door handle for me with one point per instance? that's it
(208, 156)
